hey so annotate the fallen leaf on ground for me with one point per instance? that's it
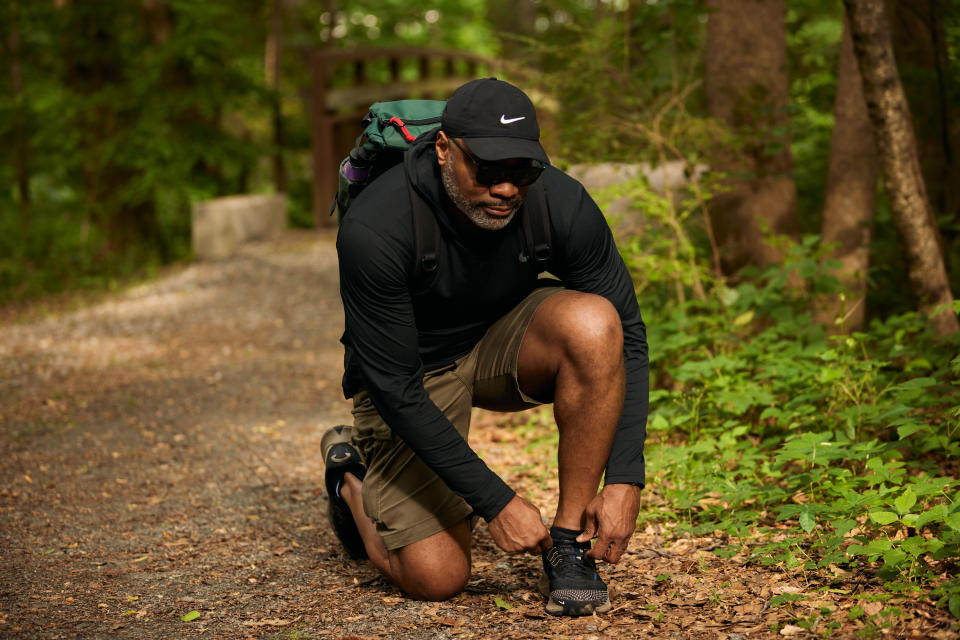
(266, 622)
(792, 630)
(786, 588)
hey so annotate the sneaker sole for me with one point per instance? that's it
(555, 608)
(341, 519)
(333, 436)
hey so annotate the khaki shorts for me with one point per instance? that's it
(407, 501)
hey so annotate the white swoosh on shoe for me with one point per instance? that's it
(505, 120)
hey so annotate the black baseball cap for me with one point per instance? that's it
(496, 119)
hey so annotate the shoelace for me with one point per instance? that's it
(571, 558)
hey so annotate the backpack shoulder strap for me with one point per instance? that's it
(426, 232)
(536, 224)
(425, 226)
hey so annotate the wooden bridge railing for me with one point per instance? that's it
(345, 83)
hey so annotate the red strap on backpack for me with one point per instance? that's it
(398, 123)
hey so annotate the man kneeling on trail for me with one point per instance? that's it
(483, 329)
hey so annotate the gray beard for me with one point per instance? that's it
(473, 210)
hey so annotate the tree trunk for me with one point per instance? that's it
(897, 148)
(513, 18)
(93, 51)
(851, 193)
(920, 48)
(21, 135)
(272, 66)
(747, 88)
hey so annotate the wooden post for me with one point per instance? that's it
(324, 165)
(360, 72)
(393, 62)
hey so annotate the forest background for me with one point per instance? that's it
(805, 383)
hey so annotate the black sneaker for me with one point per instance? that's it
(570, 582)
(341, 457)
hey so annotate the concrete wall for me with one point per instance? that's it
(220, 226)
(622, 212)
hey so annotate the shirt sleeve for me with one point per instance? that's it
(382, 333)
(590, 262)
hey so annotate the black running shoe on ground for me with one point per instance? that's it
(571, 584)
(340, 458)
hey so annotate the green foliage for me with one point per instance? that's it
(130, 116)
(460, 24)
(786, 598)
(814, 28)
(128, 113)
(613, 65)
(818, 450)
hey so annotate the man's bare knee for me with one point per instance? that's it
(589, 329)
(434, 583)
(435, 568)
(572, 334)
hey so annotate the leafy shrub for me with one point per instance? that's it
(802, 448)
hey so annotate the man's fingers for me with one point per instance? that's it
(546, 542)
(607, 549)
(615, 552)
(589, 528)
(519, 528)
(599, 549)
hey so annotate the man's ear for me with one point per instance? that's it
(442, 146)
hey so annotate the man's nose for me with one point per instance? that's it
(505, 190)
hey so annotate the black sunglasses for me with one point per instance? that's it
(491, 173)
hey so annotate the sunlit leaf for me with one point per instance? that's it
(843, 526)
(743, 318)
(936, 514)
(807, 521)
(894, 557)
(953, 521)
(884, 517)
(906, 501)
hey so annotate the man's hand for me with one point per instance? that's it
(611, 516)
(519, 527)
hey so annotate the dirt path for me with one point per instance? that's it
(160, 456)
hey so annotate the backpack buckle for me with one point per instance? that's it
(398, 123)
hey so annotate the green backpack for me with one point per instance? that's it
(389, 129)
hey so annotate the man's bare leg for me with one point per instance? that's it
(573, 352)
(435, 568)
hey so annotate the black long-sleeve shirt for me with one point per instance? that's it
(400, 324)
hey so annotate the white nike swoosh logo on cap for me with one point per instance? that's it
(505, 120)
